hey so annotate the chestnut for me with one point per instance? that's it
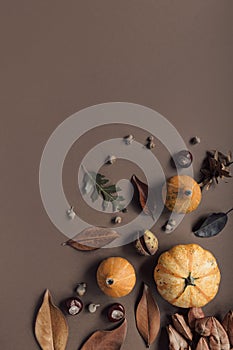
(74, 306)
(183, 159)
(116, 312)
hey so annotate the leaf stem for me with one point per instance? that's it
(229, 211)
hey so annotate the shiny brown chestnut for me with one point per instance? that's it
(116, 312)
(74, 306)
(183, 159)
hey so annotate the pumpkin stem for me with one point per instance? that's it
(109, 282)
(189, 281)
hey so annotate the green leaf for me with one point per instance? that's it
(95, 184)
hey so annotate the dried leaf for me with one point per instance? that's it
(142, 190)
(181, 326)
(194, 314)
(202, 344)
(218, 339)
(176, 341)
(107, 340)
(51, 329)
(92, 238)
(203, 326)
(148, 317)
(228, 325)
(215, 166)
(212, 225)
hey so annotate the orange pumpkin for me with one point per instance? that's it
(116, 277)
(187, 276)
(183, 194)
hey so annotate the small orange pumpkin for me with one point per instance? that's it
(187, 276)
(116, 277)
(183, 194)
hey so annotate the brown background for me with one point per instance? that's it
(58, 57)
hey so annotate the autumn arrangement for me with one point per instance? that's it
(186, 276)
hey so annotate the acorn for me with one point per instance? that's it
(147, 244)
(116, 312)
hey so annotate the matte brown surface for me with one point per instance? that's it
(58, 57)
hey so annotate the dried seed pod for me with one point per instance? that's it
(70, 213)
(218, 339)
(202, 344)
(181, 326)
(203, 326)
(228, 325)
(176, 341)
(81, 289)
(147, 244)
(194, 314)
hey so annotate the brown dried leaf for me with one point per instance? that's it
(92, 238)
(107, 340)
(194, 314)
(218, 339)
(181, 326)
(202, 344)
(228, 325)
(142, 190)
(176, 341)
(51, 329)
(203, 326)
(148, 317)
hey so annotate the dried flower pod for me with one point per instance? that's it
(81, 289)
(116, 312)
(111, 159)
(147, 244)
(117, 220)
(202, 344)
(203, 326)
(129, 139)
(194, 314)
(195, 140)
(70, 213)
(181, 326)
(93, 307)
(228, 325)
(218, 339)
(176, 341)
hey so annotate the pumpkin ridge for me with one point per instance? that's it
(177, 262)
(204, 295)
(209, 273)
(169, 272)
